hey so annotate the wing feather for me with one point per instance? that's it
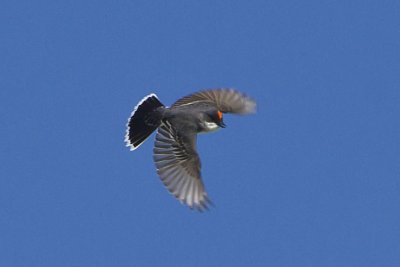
(226, 100)
(178, 166)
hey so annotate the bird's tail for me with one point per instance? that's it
(145, 119)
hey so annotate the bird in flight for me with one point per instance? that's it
(175, 154)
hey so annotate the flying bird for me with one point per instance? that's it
(175, 154)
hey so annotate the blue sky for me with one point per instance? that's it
(311, 180)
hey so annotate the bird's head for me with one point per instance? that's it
(215, 120)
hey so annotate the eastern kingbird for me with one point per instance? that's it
(174, 153)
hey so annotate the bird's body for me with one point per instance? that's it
(192, 117)
(175, 154)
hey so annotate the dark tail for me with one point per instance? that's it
(145, 119)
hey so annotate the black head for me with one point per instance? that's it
(217, 118)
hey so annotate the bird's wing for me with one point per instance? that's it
(178, 166)
(226, 100)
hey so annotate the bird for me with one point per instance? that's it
(175, 154)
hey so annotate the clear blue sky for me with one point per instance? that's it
(313, 179)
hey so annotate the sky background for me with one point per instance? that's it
(313, 179)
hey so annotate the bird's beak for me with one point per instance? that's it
(222, 124)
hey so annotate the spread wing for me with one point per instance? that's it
(226, 100)
(178, 166)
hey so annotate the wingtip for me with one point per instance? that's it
(203, 205)
(251, 106)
